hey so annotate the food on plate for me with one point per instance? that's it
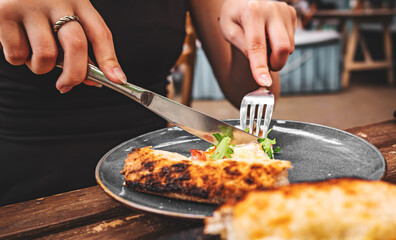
(334, 209)
(213, 176)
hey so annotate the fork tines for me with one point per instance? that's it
(257, 102)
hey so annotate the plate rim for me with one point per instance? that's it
(150, 210)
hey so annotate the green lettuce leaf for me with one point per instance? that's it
(223, 148)
(267, 145)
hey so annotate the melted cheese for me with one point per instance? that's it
(249, 152)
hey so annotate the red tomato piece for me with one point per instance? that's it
(198, 155)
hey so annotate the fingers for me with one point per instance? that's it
(90, 82)
(234, 35)
(74, 43)
(255, 35)
(42, 43)
(291, 28)
(28, 29)
(232, 32)
(252, 25)
(280, 45)
(281, 35)
(12, 37)
(101, 39)
(15, 44)
(27, 37)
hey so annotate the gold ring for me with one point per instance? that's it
(64, 20)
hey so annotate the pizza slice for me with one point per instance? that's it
(213, 176)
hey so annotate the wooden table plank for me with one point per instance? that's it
(383, 136)
(136, 227)
(63, 211)
(390, 157)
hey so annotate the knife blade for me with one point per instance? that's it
(191, 120)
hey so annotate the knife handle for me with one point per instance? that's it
(130, 90)
(96, 75)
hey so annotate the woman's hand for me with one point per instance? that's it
(27, 38)
(251, 25)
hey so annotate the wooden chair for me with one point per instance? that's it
(185, 64)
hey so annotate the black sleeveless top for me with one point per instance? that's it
(51, 142)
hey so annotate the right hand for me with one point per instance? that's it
(27, 38)
(254, 26)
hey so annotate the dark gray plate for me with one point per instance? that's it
(316, 153)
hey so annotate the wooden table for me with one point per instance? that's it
(91, 214)
(352, 38)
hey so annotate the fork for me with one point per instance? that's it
(256, 100)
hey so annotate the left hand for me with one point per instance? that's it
(251, 24)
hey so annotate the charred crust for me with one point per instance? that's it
(255, 166)
(149, 165)
(185, 176)
(179, 167)
(164, 171)
(249, 180)
(148, 185)
(232, 171)
(199, 192)
(205, 177)
(219, 191)
(136, 150)
(172, 187)
(155, 187)
(231, 162)
(133, 185)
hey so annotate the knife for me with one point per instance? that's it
(192, 121)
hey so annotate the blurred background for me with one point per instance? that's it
(341, 73)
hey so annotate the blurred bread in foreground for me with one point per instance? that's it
(333, 209)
